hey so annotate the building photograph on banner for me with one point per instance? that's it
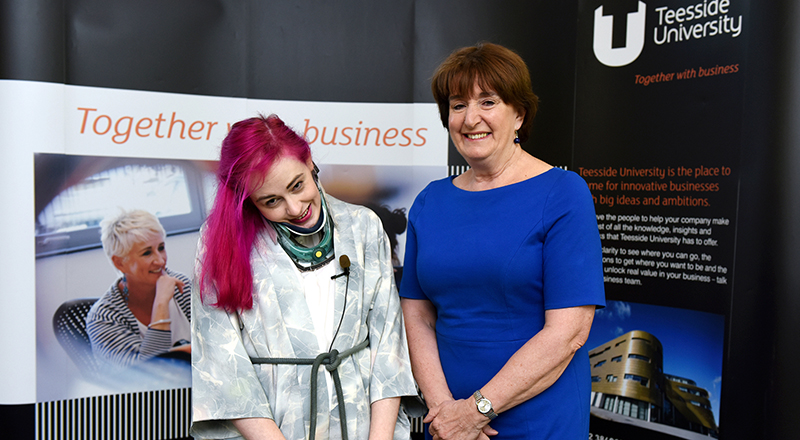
(657, 370)
(88, 347)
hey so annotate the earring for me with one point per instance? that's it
(516, 137)
(124, 283)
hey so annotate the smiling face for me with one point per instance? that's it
(482, 125)
(145, 262)
(288, 194)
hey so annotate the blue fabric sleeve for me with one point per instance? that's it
(572, 253)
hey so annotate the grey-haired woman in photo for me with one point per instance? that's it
(146, 312)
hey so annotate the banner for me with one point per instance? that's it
(660, 91)
(150, 150)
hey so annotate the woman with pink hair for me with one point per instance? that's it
(290, 280)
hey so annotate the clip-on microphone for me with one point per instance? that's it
(344, 261)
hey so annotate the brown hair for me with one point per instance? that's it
(495, 68)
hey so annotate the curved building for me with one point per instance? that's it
(628, 379)
(625, 374)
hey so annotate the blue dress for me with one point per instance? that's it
(492, 262)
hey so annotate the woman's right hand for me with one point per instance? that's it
(458, 419)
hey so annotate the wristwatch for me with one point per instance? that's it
(484, 405)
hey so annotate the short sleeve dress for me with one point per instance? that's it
(492, 262)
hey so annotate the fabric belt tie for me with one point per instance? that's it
(331, 360)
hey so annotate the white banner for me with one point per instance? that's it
(381, 140)
(112, 122)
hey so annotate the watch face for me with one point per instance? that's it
(484, 406)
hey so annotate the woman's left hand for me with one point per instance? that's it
(165, 290)
(165, 287)
(458, 419)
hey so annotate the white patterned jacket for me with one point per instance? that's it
(226, 385)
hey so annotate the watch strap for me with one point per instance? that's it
(479, 399)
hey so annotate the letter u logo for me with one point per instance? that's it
(603, 35)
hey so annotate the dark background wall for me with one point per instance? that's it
(307, 50)
(362, 51)
(776, 144)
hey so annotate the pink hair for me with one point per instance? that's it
(248, 152)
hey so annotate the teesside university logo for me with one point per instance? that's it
(604, 36)
(699, 20)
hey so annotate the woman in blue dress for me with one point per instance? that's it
(503, 268)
